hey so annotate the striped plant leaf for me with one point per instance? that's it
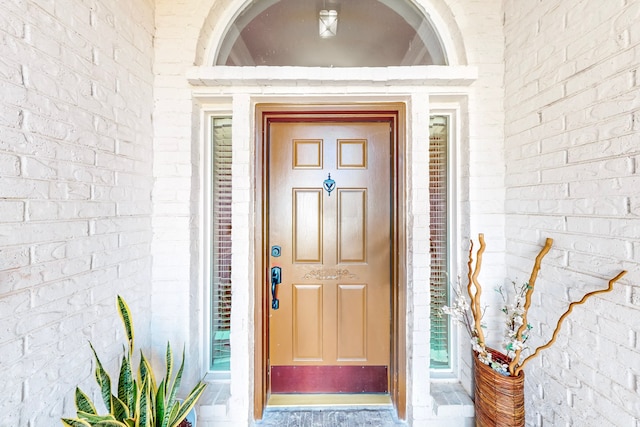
(146, 371)
(127, 321)
(136, 414)
(174, 412)
(136, 399)
(84, 403)
(176, 383)
(125, 383)
(169, 363)
(188, 404)
(103, 381)
(120, 409)
(73, 422)
(94, 418)
(144, 413)
(110, 424)
(160, 405)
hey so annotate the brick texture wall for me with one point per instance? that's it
(573, 151)
(177, 297)
(75, 194)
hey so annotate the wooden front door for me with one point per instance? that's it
(330, 234)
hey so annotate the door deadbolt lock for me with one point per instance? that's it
(276, 251)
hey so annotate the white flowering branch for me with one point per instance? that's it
(514, 319)
(459, 310)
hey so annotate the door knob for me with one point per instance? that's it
(276, 279)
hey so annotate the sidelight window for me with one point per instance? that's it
(439, 196)
(221, 244)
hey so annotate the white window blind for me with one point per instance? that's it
(221, 242)
(439, 231)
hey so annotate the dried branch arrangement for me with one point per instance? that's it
(518, 322)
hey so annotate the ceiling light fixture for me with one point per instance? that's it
(328, 23)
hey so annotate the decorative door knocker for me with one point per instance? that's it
(329, 185)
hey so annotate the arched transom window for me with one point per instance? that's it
(331, 33)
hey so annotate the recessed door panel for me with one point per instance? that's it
(352, 154)
(352, 224)
(307, 323)
(307, 227)
(307, 154)
(352, 322)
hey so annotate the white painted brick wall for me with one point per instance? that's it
(75, 195)
(572, 149)
(175, 193)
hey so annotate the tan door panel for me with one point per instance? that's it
(334, 299)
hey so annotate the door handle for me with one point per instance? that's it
(276, 279)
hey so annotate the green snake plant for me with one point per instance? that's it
(140, 401)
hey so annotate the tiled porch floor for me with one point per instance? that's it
(329, 418)
(331, 410)
(453, 407)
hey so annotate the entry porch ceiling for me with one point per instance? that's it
(371, 33)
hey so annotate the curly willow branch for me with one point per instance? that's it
(476, 297)
(564, 316)
(532, 282)
(470, 282)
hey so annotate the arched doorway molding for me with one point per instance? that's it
(223, 14)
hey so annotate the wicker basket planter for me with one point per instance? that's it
(499, 399)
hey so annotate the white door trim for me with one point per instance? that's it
(242, 101)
